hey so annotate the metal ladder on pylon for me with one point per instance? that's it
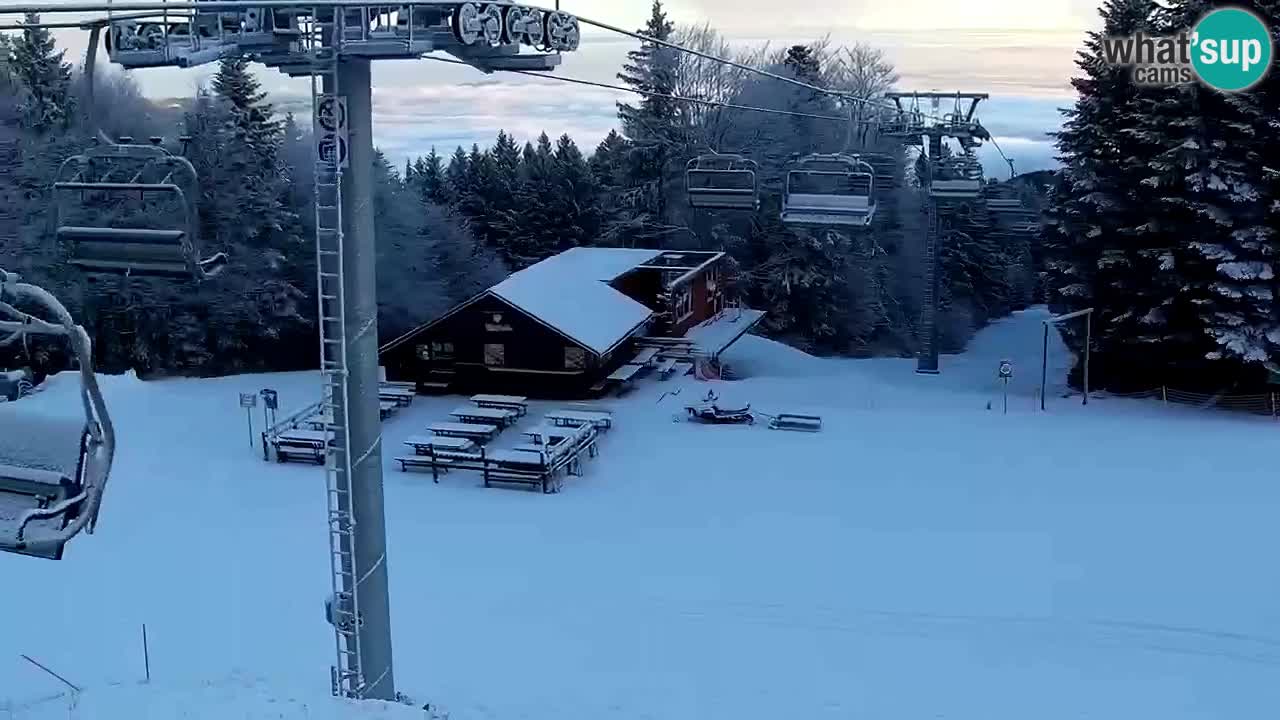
(344, 608)
(928, 357)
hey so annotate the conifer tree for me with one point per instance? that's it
(37, 64)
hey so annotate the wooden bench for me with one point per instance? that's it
(437, 465)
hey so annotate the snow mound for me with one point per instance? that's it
(755, 356)
(240, 698)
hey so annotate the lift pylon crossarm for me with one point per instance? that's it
(42, 509)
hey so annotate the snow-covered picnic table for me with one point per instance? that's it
(305, 436)
(518, 403)
(547, 434)
(397, 395)
(645, 356)
(467, 430)
(576, 418)
(626, 373)
(485, 416)
(424, 443)
(666, 368)
(385, 409)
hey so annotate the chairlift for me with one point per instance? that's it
(830, 190)
(145, 172)
(956, 178)
(726, 182)
(51, 475)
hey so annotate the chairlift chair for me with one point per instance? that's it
(142, 171)
(726, 182)
(830, 190)
(956, 178)
(50, 493)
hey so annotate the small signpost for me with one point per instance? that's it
(1006, 373)
(270, 403)
(249, 401)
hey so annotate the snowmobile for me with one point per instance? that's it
(713, 410)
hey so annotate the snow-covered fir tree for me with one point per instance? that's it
(45, 102)
(1102, 248)
(1217, 180)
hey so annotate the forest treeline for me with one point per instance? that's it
(1163, 219)
(450, 225)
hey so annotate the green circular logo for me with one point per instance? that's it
(1231, 49)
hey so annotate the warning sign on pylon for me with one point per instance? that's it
(330, 127)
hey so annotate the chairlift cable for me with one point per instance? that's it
(678, 98)
(274, 4)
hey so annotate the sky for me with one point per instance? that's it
(1019, 51)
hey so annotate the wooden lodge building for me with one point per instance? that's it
(561, 327)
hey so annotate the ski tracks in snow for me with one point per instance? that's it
(1036, 634)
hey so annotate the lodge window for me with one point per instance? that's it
(424, 352)
(439, 351)
(575, 358)
(495, 354)
(495, 323)
(683, 304)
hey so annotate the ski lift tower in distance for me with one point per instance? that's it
(333, 44)
(951, 183)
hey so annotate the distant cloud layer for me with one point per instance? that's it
(1025, 68)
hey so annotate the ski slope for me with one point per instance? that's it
(921, 557)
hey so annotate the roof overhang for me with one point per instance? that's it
(714, 335)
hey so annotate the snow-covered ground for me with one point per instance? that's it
(921, 557)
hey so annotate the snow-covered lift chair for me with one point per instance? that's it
(726, 182)
(52, 472)
(830, 190)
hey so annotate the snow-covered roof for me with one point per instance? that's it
(715, 334)
(570, 292)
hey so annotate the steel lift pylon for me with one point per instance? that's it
(955, 186)
(333, 43)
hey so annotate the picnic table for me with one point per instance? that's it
(301, 435)
(519, 403)
(485, 416)
(626, 373)
(396, 395)
(666, 368)
(547, 434)
(421, 444)
(298, 442)
(577, 418)
(645, 356)
(473, 431)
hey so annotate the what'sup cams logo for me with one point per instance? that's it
(1229, 49)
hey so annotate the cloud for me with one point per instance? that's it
(420, 104)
